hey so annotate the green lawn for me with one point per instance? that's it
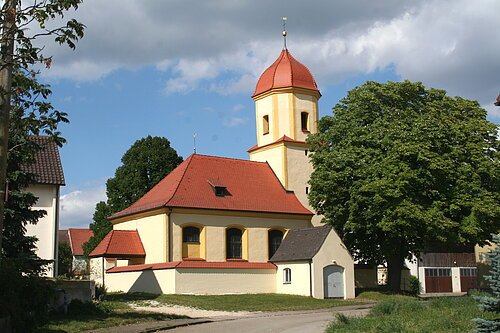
(406, 314)
(105, 314)
(249, 302)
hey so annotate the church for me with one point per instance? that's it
(218, 225)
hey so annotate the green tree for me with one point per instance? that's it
(19, 52)
(399, 167)
(491, 303)
(64, 259)
(144, 164)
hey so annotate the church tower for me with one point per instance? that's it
(286, 110)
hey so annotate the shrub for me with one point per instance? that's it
(414, 286)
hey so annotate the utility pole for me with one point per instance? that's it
(8, 29)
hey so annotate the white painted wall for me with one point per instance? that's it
(300, 284)
(46, 228)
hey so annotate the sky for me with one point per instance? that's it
(178, 67)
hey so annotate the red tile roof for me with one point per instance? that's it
(76, 239)
(47, 167)
(250, 186)
(284, 138)
(193, 264)
(283, 73)
(120, 244)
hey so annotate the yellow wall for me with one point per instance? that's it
(254, 248)
(275, 157)
(300, 284)
(224, 281)
(153, 233)
(333, 249)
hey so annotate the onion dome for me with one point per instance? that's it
(285, 72)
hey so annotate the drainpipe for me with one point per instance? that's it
(169, 232)
(310, 279)
(103, 272)
(56, 238)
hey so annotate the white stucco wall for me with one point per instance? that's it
(333, 251)
(46, 228)
(148, 281)
(300, 284)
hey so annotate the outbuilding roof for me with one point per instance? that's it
(301, 244)
(248, 186)
(47, 167)
(78, 236)
(285, 72)
(120, 244)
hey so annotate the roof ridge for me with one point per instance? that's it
(229, 158)
(189, 160)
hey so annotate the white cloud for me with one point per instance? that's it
(78, 206)
(235, 121)
(223, 47)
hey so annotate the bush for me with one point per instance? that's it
(414, 286)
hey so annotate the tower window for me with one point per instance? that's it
(305, 152)
(307, 190)
(265, 124)
(304, 121)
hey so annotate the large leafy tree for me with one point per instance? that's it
(21, 24)
(144, 164)
(398, 168)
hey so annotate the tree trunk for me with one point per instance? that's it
(6, 61)
(394, 266)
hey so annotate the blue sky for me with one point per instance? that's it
(181, 67)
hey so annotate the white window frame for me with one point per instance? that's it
(287, 276)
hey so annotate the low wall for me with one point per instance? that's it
(83, 290)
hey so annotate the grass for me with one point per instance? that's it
(112, 313)
(396, 314)
(246, 302)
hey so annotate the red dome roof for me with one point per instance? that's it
(285, 72)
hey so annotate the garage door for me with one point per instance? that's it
(333, 281)
(468, 279)
(438, 280)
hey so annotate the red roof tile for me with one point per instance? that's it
(251, 186)
(47, 167)
(193, 264)
(284, 138)
(120, 244)
(283, 73)
(76, 239)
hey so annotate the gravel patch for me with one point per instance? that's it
(155, 306)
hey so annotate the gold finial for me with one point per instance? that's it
(284, 32)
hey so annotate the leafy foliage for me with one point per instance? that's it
(65, 259)
(144, 164)
(399, 167)
(491, 303)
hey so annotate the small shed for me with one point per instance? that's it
(314, 262)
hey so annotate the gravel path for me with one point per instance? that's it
(155, 306)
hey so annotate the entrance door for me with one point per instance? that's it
(333, 281)
(438, 280)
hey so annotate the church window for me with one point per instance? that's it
(190, 235)
(274, 237)
(304, 121)
(287, 276)
(233, 243)
(265, 124)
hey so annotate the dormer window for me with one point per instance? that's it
(304, 121)
(220, 189)
(265, 124)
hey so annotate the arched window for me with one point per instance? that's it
(287, 276)
(233, 243)
(304, 121)
(274, 237)
(190, 235)
(191, 247)
(265, 124)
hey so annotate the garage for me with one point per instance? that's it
(438, 280)
(333, 279)
(468, 279)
